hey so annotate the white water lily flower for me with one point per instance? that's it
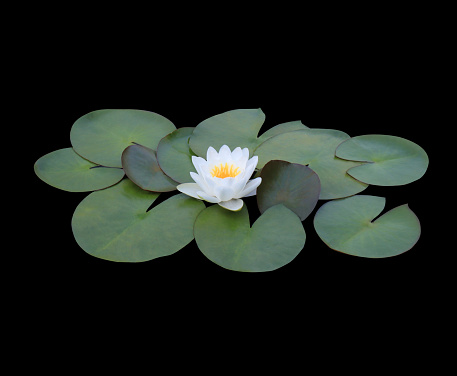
(223, 177)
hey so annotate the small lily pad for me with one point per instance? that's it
(391, 160)
(316, 148)
(227, 239)
(347, 226)
(174, 155)
(115, 223)
(140, 165)
(235, 128)
(295, 186)
(101, 136)
(66, 170)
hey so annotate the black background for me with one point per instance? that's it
(356, 82)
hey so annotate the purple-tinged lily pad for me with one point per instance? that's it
(295, 186)
(140, 165)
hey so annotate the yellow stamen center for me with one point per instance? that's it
(227, 171)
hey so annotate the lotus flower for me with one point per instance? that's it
(223, 178)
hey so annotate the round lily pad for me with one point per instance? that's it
(101, 136)
(235, 128)
(391, 160)
(140, 165)
(66, 170)
(174, 155)
(347, 226)
(115, 223)
(295, 186)
(227, 239)
(282, 128)
(316, 148)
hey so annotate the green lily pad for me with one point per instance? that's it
(347, 226)
(235, 128)
(141, 167)
(115, 224)
(101, 136)
(316, 148)
(66, 170)
(226, 238)
(282, 128)
(295, 186)
(174, 155)
(391, 160)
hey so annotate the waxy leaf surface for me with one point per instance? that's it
(66, 170)
(235, 128)
(281, 128)
(115, 224)
(316, 148)
(141, 167)
(295, 186)
(227, 239)
(174, 155)
(101, 136)
(391, 160)
(347, 226)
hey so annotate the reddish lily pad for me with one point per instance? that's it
(140, 165)
(295, 186)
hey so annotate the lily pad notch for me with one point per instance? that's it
(347, 225)
(226, 238)
(387, 160)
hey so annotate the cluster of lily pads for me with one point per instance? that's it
(128, 157)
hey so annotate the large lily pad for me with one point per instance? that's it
(174, 155)
(101, 136)
(115, 224)
(227, 239)
(347, 226)
(316, 148)
(295, 186)
(235, 128)
(282, 128)
(391, 160)
(140, 165)
(66, 170)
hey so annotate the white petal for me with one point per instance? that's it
(207, 197)
(199, 163)
(250, 166)
(250, 186)
(208, 179)
(225, 153)
(237, 154)
(200, 181)
(243, 178)
(234, 204)
(253, 193)
(238, 184)
(202, 170)
(189, 189)
(226, 182)
(224, 192)
(205, 172)
(254, 160)
(244, 158)
(211, 154)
